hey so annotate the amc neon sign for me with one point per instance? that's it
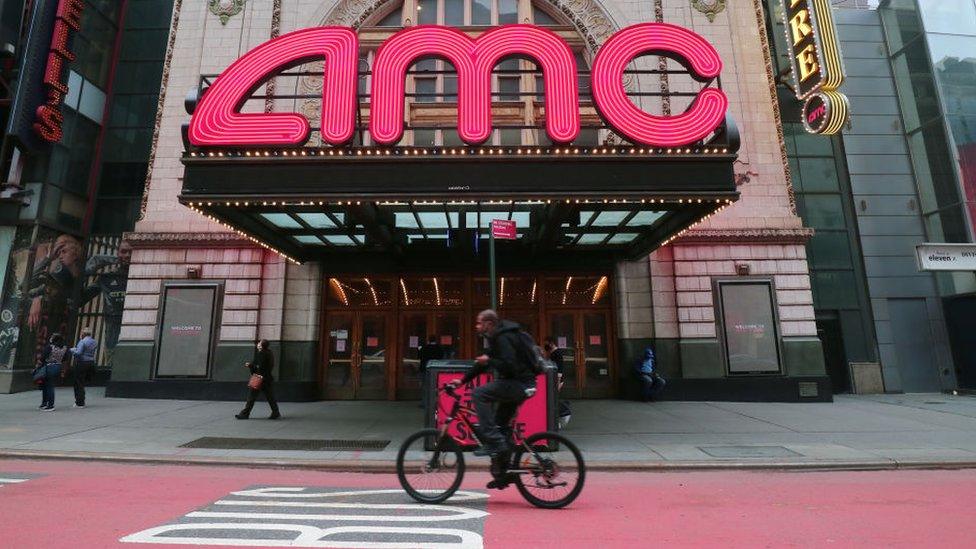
(217, 120)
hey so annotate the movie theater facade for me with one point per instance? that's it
(325, 176)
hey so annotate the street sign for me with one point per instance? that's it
(946, 257)
(503, 229)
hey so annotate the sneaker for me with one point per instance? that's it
(42, 406)
(501, 482)
(242, 415)
(79, 405)
(48, 409)
(275, 416)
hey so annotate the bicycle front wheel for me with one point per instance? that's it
(430, 476)
(549, 478)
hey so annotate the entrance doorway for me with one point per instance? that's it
(835, 357)
(374, 328)
(357, 356)
(584, 337)
(416, 329)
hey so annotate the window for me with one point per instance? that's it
(509, 82)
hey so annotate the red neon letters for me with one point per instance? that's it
(473, 60)
(217, 120)
(49, 119)
(704, 115)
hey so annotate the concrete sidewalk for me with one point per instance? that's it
(857, 432)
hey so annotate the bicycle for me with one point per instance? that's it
(546, 467)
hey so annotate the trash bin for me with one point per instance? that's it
(536, 414)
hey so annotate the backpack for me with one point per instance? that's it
(532, 355)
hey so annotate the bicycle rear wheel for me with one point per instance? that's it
(430, 476)
(549, 478)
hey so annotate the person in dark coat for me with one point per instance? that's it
(263, 364)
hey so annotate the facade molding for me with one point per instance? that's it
(770, 236)
(225, 9)
(187, 240)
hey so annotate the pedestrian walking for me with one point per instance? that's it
(652, 383)
(427, 352)
(49, 369)
(262, 380)
(83, 367)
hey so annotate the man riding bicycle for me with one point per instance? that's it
(514, 381)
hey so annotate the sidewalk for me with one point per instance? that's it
(856, 432)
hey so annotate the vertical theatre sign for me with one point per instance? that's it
(35, 118)
(50, 120)
(817, 67)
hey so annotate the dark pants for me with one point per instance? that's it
(267, 387)
(47, 390)
(495, 421)
(82, 374)
(651, 386)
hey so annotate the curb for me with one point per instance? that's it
(361, 466)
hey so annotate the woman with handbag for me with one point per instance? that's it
(261, 381)
(49, 370)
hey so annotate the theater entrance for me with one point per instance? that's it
(374, 327)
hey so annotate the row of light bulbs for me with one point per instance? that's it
(682, 232)
(248, 203)
(247, 236)
(472, 151)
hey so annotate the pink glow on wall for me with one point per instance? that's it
(217, 119)
(473, 59)
(702, 117)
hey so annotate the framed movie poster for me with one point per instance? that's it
(187, 329)
(749, 326)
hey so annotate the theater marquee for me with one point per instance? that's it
(817, 67)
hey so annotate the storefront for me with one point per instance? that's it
(343, 212)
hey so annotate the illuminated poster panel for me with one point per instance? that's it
(187, 329)
(749, 326)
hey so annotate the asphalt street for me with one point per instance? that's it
(54, 504)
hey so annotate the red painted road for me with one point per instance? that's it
(95, 504)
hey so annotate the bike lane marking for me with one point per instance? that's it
(246, 521)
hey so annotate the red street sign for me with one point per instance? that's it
(503, 229)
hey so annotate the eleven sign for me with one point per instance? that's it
(817, 67)
(217, 120)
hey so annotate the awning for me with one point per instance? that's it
(403, 202)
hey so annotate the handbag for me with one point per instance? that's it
(255, 381)
(39, 373)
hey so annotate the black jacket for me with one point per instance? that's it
(504, 356)
(263, 363)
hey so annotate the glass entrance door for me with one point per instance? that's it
(585, 339)
(416, 329)
(356, 358)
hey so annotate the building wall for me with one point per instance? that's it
(887, 209)
(762, 230)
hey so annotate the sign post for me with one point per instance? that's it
(505, 230)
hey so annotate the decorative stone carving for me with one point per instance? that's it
(225, 9)
(710, 8)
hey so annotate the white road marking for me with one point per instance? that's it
(308, 536)
(299, 492)
(458, 513)
(264, 514)
(12, 480)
